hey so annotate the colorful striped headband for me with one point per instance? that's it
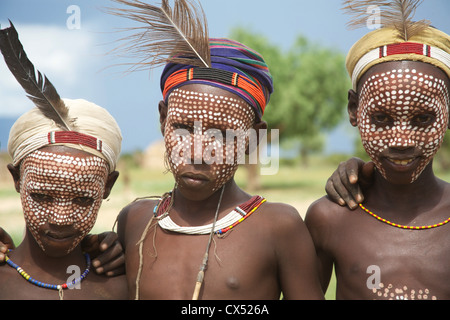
(235, 68)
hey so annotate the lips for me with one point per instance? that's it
(194, 180)
(401, 162)
(59, 236)
(195, 176)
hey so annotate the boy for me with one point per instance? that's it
(64, 156)
(256, 249)
(396, 246)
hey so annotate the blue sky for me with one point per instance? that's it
(74, 59)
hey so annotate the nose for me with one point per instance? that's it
(207, 147)
(60, 213)
(402, 137)
(401, 147)
(197, 147)
(402, 143)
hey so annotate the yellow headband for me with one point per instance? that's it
(430, 46)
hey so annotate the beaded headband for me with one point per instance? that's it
(401, 37)
(250, 90)
(67, 138)
(234, 67)
(398, 49)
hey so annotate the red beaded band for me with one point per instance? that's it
(405, 48)
(74, 138)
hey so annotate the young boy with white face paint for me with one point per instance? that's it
(62, 182)
(244, 246)
(208, 238)
(64, 154)
(396, 245)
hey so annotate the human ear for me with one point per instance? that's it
(110, 181)
(352, 107)
(15, 172)
(162, 107)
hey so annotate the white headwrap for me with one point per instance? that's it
(95, 131)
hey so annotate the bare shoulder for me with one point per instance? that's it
(325, 219)
(281, 216)
(134, 215)
(324, 211)
(281, 210)
(137, 207)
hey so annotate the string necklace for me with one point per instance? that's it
(201, 273)
(403, 226)
(223, 225)
(59, 287)
(218, 227)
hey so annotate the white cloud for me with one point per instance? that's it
(63, 55)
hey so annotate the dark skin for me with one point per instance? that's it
(352, 240)
(51, 266)
(269, 253)
(345, 186)
(104, 248)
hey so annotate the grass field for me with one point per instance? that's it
(294, 184)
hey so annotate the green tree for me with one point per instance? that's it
(442, 158)
(311, 86)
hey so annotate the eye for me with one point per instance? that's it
(423, 119)
(183, 126)
(40, 197)
(83, 201)
(381, 119)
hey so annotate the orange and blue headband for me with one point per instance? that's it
(234, 67)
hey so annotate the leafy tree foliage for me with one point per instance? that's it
(311, 85)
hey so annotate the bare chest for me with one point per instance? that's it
(239, 264)
(380, 261)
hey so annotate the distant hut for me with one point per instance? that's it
(5, 176)
(153, 156)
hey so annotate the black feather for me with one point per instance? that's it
(38, 88)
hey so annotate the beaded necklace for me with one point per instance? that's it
(59, 287)
(223, 225)
(245, 210)
(403, 226)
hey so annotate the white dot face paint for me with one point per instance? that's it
(61, 190)
(206, 119)
(402, 119)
